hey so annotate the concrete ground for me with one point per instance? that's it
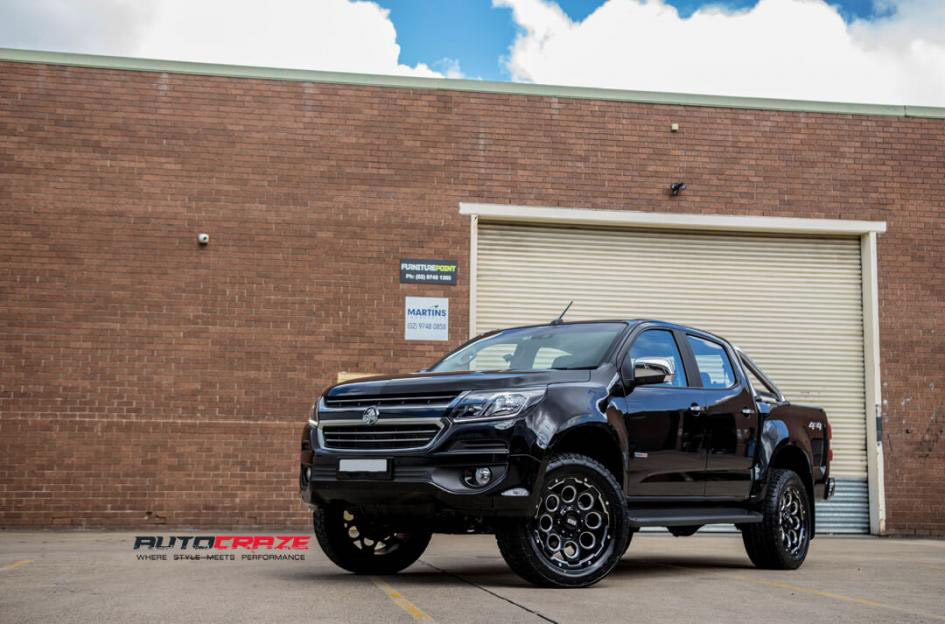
(95, 577)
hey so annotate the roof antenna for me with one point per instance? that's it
(558, 320)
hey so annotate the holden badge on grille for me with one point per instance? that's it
(370, 416)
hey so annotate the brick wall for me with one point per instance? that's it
(146, 380)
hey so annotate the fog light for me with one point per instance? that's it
(483, 476)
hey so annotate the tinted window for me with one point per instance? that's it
(660, 343)
(715, 368)
(581, 345)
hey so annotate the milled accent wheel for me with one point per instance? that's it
(582, 521)
(781, 540)
(578, 532)
(367, 545)
(793, 516)
(377, 540)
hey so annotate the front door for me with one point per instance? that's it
(664, 427)
(730, 421)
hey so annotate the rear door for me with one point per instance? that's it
(729, 419)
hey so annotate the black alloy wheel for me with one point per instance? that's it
(578, 532)
(792, 514)
(572, 525)
(366, 545)
(781, 540)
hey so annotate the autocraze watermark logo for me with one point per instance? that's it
(220, 547)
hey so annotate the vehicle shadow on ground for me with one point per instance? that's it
(670, 565)
(492, 571)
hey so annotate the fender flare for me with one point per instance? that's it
(578, 432)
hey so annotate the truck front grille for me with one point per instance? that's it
(379, 437)
(437, 399)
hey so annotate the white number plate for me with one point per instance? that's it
(362, 465)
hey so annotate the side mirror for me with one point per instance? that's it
(650, 370)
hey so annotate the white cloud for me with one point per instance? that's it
(449, 67)
(335, 35)
(798, 49)
(107, 26)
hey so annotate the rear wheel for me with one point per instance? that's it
(367, 545)
(781, 540)
(579, 530)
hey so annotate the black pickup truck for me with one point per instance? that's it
(563, 440)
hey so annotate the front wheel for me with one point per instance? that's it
(367, 545)
(579, 530)
(780, 541)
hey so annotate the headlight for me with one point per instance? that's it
(313, 418)
(490, 404)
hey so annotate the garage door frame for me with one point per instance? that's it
(866, 231)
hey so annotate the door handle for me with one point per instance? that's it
(695, 408)
(747, 411)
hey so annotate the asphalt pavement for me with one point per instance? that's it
(97, 577)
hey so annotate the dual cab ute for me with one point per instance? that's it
(563, 440)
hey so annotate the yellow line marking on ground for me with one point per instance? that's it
(401, 601)
(817, 592)
(16, 564)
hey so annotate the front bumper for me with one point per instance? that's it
(431, 481)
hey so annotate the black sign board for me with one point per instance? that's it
(428, 271)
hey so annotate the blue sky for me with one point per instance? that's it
(478, 35)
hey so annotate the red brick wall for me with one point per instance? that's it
(148, 380)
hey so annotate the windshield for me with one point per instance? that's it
(561, 347)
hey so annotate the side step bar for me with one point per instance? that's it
(688, 516)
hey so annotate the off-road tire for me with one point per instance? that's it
(522, 545)
(765, 541)
(348, 545)
(630, 535)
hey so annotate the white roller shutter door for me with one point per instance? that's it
(793, 303)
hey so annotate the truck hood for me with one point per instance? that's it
(417, 383)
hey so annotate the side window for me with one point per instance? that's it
(660, 343)
(715, 368)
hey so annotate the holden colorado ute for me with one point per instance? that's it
(563, 440)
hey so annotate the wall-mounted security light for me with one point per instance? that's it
(676, 188)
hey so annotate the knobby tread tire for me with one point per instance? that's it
(762, 541)
(330, 532)
(514, 537)
(630, 535)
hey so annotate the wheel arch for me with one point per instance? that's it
(597, 441)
